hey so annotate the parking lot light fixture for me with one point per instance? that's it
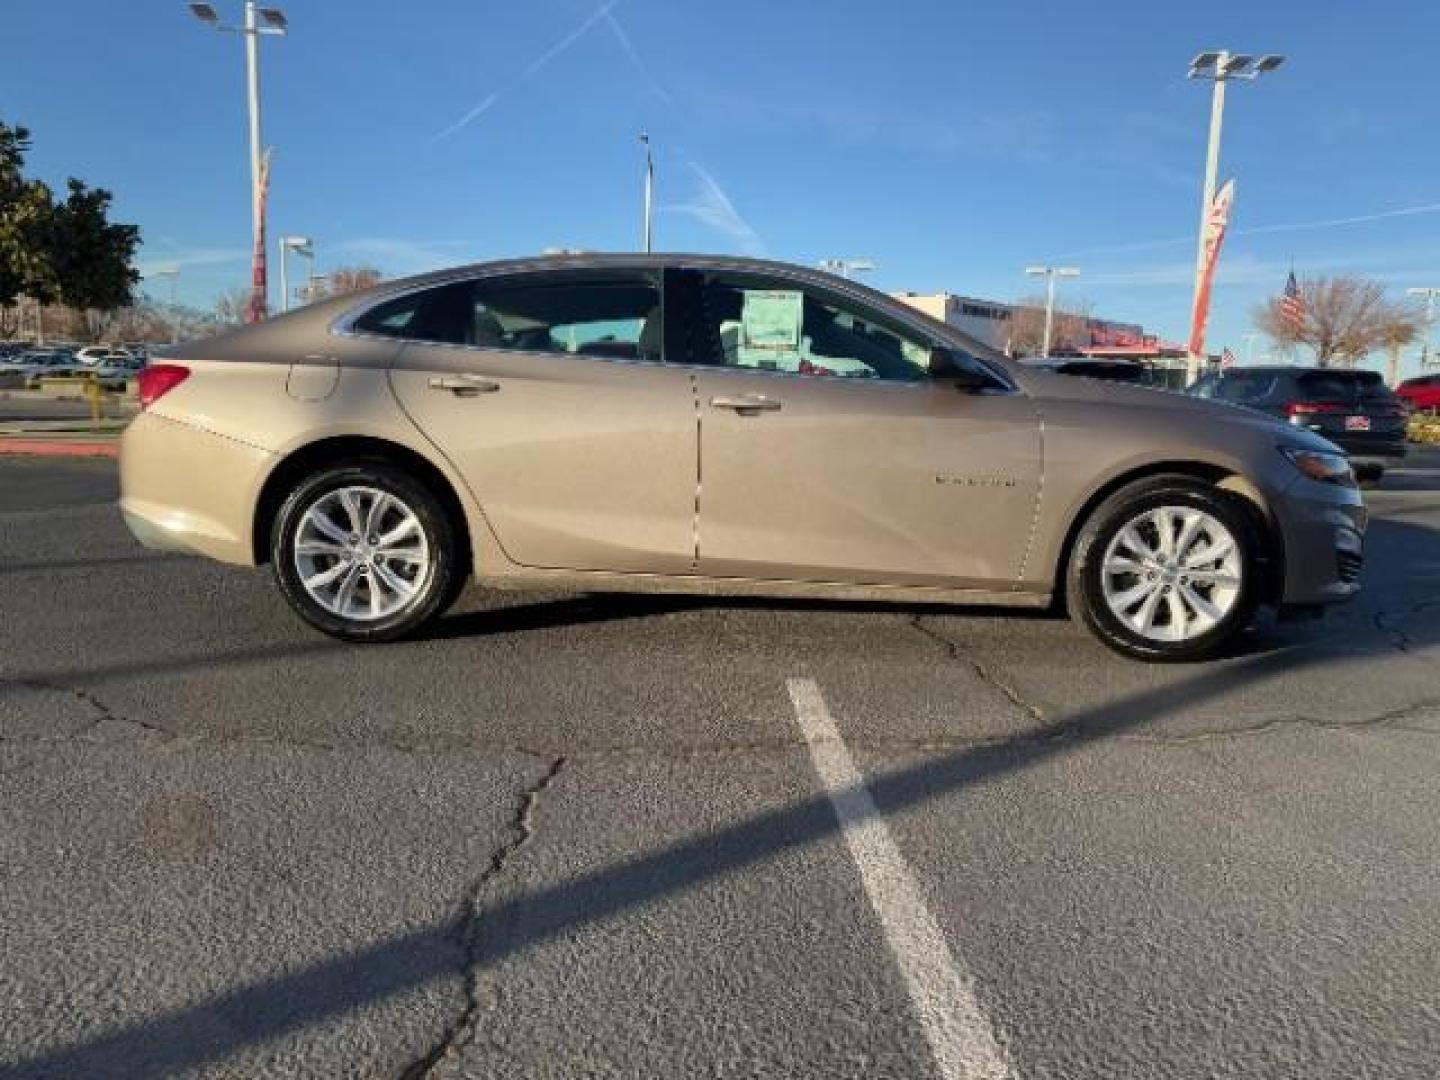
(300, 245)
(846, 268)
(1220, 67)
(275, 24)
(1050, 273)
(1427, 356)
(648, 229)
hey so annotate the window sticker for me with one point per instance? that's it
(770, 323)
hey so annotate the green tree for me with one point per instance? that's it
(26, 214)
(69, 251)
(90, 254)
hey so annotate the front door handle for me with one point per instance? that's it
(464, 385)
(746, 403)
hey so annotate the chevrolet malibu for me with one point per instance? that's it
(715, 425)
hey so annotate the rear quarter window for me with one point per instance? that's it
(1342, 386)
(1246, 387)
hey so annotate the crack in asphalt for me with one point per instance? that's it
(1385, 620)
(469, 923)
(102, 711)
(1391, 719)
(986, 674)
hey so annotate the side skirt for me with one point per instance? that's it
(695, 585)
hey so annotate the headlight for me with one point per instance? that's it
(1318, 465)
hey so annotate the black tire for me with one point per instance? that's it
(436, 587)
(1084, 587)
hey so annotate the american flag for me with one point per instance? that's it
(1292, 305)
(1227, 359)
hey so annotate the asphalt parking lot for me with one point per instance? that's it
(600, 836)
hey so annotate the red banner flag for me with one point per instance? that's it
(1215, 226)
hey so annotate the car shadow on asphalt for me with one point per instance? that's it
(207, 1032)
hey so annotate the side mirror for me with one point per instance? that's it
(967, 380)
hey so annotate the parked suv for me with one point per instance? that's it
(1422, 394)
(1353, 409)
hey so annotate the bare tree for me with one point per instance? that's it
(144, 322)
(232, 306)
(12, 318)
(1342, 319)
(1069, 329)
(347, 279)
(1400, 331)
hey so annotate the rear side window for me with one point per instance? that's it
(437, 315)
(1347, 386)
(614, 316)
(1245, 387)
(603, 315)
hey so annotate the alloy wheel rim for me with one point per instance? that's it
(1172, 573)
(361, 553)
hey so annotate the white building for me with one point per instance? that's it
(984, 320)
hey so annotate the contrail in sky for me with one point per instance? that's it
(533, 68)
(1298, 226)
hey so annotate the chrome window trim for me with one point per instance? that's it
(344, 325)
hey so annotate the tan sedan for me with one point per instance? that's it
(721, 426)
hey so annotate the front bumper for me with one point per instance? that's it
(1323, 528)
(189, 490)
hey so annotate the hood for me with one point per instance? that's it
(1047, 386)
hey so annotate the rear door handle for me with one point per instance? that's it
(746, 403)
(464, 385)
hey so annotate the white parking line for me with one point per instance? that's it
(959, 1033)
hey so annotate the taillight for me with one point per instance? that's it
(157, 380)
(1312, 408)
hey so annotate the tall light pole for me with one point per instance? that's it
(300, 245)
(1429, 293)
(846, 268)
(1249, 340)
(649, 193)
(173, 273)
(275, 23)
(1219, 67)
(1050, 273)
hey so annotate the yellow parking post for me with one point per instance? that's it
(95, 393)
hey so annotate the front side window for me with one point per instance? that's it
(775, 326)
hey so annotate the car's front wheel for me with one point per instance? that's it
(365, 552)
(1166, 569)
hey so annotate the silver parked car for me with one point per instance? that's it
(723, 426)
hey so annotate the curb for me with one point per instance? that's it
(58, 448)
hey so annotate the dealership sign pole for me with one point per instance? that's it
(1220, 67)
(259, 283)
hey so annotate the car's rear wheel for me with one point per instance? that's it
(1167, 568)
(365, 552)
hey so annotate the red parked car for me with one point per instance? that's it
(1421, 394)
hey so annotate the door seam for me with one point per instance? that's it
(695, 526)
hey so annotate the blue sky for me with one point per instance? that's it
(952, 143)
